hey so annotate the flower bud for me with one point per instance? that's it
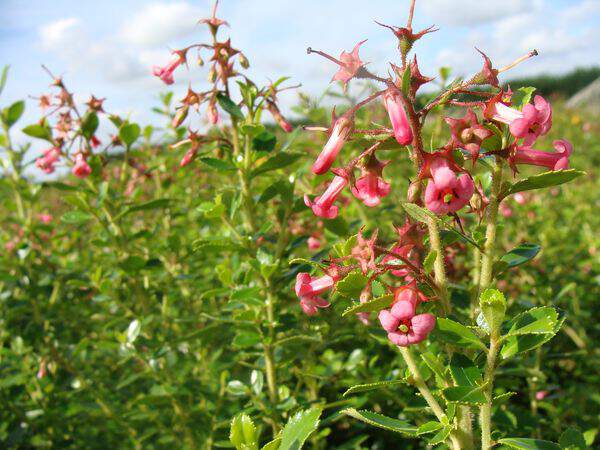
(180, 116)
(244, 61)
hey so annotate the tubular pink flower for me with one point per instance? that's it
(212, 114)
(47, 161)
(188, 157)
(309, 286)
(323, 205)
(536, 121)
(81, 169)
(341, 130)
(558, 160)
(395, 108)
(468, 133)
(313, 243)
(350, 64)
(370, 188)
(45, 218)
(166, 73)
(445, 192)
(310, 304)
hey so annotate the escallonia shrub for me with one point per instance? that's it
(168, 284)
(454, 197)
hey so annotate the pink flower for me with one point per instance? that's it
(395, 108)
(166, 73)
(45, 218)
(350, 64)
(403, 326)
(520, 198)
(188, 157)
(323, 205)
(281, 121)
(558, 160)
(505, 210)
(541, 395)
(468, 133)
(310, 304)
(371, 187)
(342, 128)
(47, 161)
(446, 192)
(536, 121)
(365, 295)
(313, 243)
(308, 288)
(81, 169)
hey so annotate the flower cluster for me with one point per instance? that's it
(496, 124)
(224, 61)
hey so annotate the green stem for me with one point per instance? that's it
(439, 269)
(420, 384)
(485, 280)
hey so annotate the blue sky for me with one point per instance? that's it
(108, 47)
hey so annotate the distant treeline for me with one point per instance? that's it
(565, 85)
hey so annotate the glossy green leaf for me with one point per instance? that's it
(229, 106)
(529, 444)
(372, 386)
(546, 179)
(76, 217)
(522, 96)
(572, 439)
(464, 372)
(351, 285)
(40, 131)
(493, 307)
(465, 394)
(376, 304)
(129, 133)
(298, 428)
(13, 113)
(457, 334)
(89, 124)
(278, 161)
(381, 421)
(264, 142)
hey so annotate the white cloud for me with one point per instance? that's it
(60, 33)
(473, 12)
(160, 24)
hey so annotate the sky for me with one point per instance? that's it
(108, 47)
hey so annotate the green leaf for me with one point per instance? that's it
(464, 372)
(89, 124)
(278, 161)
(419, 213)
(13, 113)
(129, 133)
(264, 142)
(546, 179)
(377, 304)
(76, 217)
(372, 386)
(272, 445)
(519, 342)
(337, 226)
(457, 334)
(529, 444)
(245, 339)
(152, 204)
(441, 436)
(351, 285)
(429, 427)
(522, 96)
(378, 420)
(215, 244)
(406, 81)
(298, 428)
(219, 164)
(231, 108)
(493, 308)
(133, 331)
(429, 261)
(572, 439)
(242, 433)
(517, 256)
(3, 78)
(539, 320)
(434, 363)
(465, 394)
(39, 131)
